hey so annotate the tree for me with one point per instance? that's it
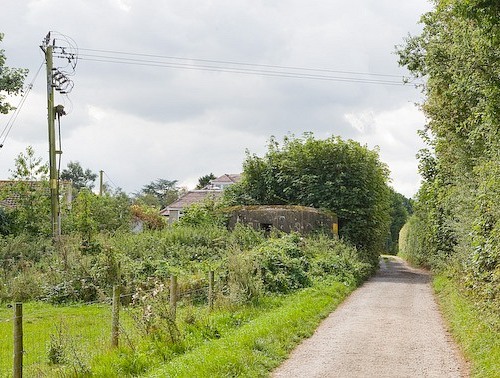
(341, 176)
(83, 216)
(399, 214)
(30, 190)
(29, 167)
(11, 81)
(159, 193)
(5, 222)
(91, 214)
(79, 177)
(205, 180)
(457, 212)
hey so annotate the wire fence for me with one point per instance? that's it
(38, 339)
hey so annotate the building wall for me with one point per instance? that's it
(303, 220)
(173, 215)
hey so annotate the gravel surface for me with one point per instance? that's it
(390, 327)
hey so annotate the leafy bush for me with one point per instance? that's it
(334, 259)
(25, 286)
(77, 290)
(457, 216)
(245, 237)
(241, 284)
(282, 265)
(341, 176)
(247, 263)
(23, 247)
(206, 213)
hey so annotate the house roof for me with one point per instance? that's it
(191, 197)
(11, 197)
(227, 178)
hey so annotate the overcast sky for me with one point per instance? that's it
(171, 109)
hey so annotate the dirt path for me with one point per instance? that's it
(390, 327)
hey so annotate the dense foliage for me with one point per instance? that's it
(159, 193)
(80, 178)
(255, 276)
(247, 263)
(11, 81)
(457, 210)
(342, 176)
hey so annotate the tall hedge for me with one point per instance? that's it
(342, 176)
(458, 207)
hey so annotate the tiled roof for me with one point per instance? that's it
(12, 197)
(227, 178)
(191, 197)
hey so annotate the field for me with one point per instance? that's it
(249, 339)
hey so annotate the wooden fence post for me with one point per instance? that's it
(211, 289)
(18, 340)
(115, 323)
(173, 296)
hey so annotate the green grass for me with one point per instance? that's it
(244, 340)
(77, 333)
(476, 331)
(257, 347)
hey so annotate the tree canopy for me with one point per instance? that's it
(342, 176)
(29, 189)
(159, 193)
(205, 180)
(79, 177)
(457, 210)
(11, 81)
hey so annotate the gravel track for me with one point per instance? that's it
(390, 327)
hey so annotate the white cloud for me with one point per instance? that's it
(394, 132)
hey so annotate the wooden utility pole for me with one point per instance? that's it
(51, 116)
(57, 80)
(101, 183)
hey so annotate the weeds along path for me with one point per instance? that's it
(390, 327)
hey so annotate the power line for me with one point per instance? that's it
(106, 56)
(111, 181)
(241, 63)
(8, 126)
(253, 72)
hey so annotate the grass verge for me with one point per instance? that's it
(259, 346)
(55, 338)
(477, 332)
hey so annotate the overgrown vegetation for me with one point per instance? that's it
(457, 211)
(341, 176)
(257, 278)
(455, 228)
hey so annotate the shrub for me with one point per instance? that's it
(282, 264)
(26, 286)
(206, 213)
(76, 290)
(242, 284)
(333, 259)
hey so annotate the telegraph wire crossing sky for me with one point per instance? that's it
(179, 90)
